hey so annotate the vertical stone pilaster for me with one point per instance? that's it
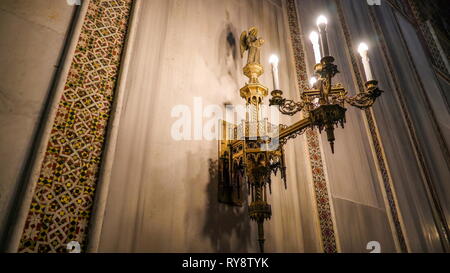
(327, 229)
(374, 136)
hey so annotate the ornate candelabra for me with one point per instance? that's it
(329, 110)
(251, 152)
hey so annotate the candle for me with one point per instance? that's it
(266, 126)
(312, 81)
(314, 37)
(322, 24)
(274, 61)
(362, 49)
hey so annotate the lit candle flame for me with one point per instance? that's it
(274, 59)
(363, 48)
(322, 20)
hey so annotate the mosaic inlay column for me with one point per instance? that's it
(315, 155)
(64, 194)
(374, 135)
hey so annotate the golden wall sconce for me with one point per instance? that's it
(251, 152)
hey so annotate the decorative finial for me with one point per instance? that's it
(252, 43)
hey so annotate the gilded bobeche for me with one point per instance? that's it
(251, 42)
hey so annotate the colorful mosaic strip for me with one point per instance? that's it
(373, 133)
(64, 194)
(315, 155)
(321, 193)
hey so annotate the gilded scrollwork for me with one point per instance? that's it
(364, 100)
(290, 107)
(258, 150)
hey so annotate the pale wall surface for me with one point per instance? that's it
(33, 34)
(408, 181)
(161, 196)
(356, 187)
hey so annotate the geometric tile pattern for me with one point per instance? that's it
(373, 133)
(315, 155)
(64, 194)
(321, 193)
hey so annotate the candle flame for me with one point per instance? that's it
(322, 20)
(363, 48)
(274, 59)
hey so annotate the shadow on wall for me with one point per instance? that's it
(229, 55)
(224, 221)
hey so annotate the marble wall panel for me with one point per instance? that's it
(406, 141)
(162, 197)
(355, 236)
(429, 97)
(352, 170)
(33, 35)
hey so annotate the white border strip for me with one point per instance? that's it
(102, 188)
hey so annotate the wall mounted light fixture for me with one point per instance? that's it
(251, 151)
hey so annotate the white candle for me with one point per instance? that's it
(312, 81)
(266, 126)
(322, 24)
(362, 49)
(274, 61)
(314, 37)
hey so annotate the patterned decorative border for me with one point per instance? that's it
(376, 140)
(64, 194)
(315, 155)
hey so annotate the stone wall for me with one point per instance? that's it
(33, 37)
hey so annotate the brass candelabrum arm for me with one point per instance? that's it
(285, 106)
(293, 131)
(330, 110)
(365, 100)
(326, 70)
